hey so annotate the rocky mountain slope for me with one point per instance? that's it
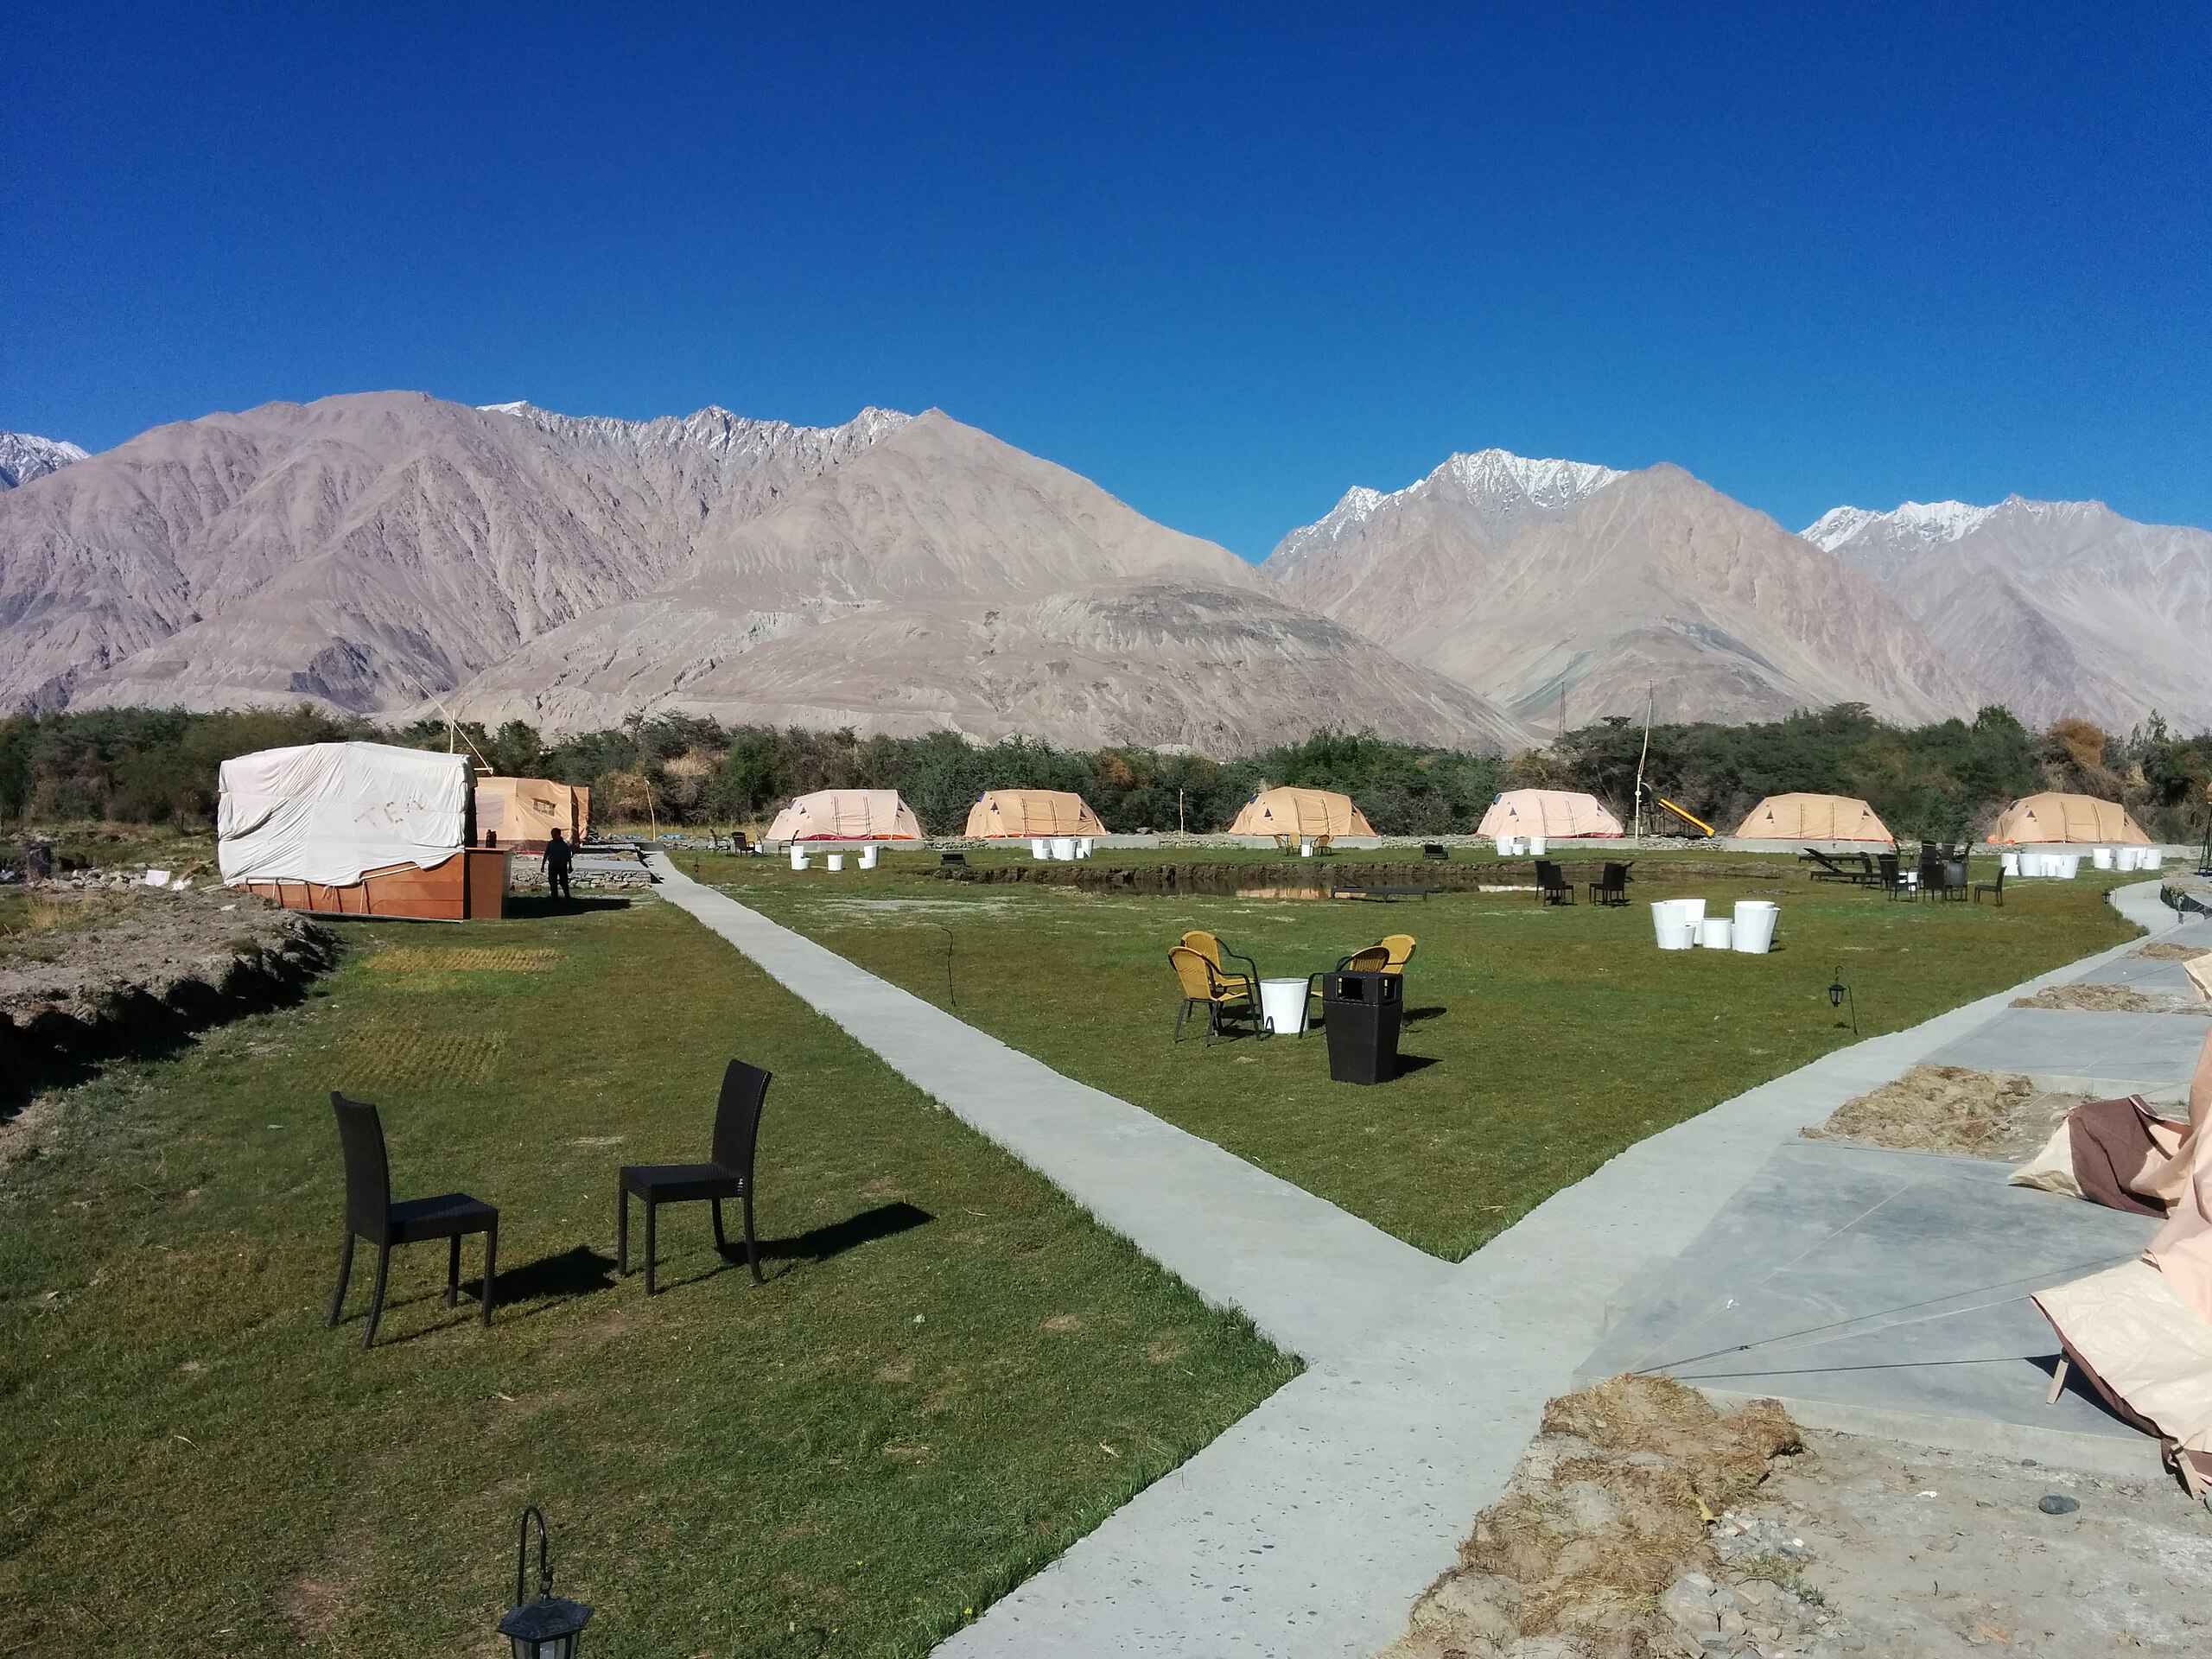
(2050, 608)
(389, 552)
(24, 457)
(1520, 579)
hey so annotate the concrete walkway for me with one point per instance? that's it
(1310, 1527)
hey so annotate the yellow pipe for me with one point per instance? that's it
(1689, 818)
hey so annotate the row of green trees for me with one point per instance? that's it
(1945, 780)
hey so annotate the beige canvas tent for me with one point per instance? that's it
(1813, 817)
(2053, 817)
(525, 812)
(847, 815)
(1557, 813)
(1021, 813)
(1301, 812)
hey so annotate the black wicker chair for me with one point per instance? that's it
(370, 1214)
(727, 1175)
(1613, 889)
(1551, 886)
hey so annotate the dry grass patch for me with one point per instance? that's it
(2102, 999)
(1951, 1108)
(394, 1050)
(466, 959)
(1608, 1507)
(2167, 950)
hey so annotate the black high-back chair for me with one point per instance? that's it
(1551, 886)
(730, 1175)
(1613, 889)
(370, 1214)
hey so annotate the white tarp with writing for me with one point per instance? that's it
(331, 812)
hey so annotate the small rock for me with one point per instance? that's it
(2058, 1503)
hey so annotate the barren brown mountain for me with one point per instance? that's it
(2053, 607)
(389, 552)
(1520, 579)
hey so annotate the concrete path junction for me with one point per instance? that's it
(1309, 1527)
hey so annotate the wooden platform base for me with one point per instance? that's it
(472, 885)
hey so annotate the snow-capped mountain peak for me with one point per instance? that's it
(1930, 523)
(1496, 483)
(24, 457)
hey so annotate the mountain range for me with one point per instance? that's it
(393, 554)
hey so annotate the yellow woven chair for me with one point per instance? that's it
(1201, 982)
(1210, 946)
(1375, 959)
(1401, 947)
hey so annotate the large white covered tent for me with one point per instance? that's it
(1303, 812)
(847, 815)
(1021, 814)
(1555, 814)
(330, 813)
(1813, 817)
(358, 828)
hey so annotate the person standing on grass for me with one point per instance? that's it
(558, 856)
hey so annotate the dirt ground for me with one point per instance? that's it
(2167, 950)
(1951, 1108)
(1644, 1524)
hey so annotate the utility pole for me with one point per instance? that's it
(1180, 833)
(1650, 695)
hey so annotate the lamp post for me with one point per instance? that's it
(1837, 992)
(549, 1626)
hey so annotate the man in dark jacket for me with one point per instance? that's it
(558, 856)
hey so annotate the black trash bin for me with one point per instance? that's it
(1360, 1012)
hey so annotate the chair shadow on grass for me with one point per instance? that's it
(816, 1245)
(1413, 1015)
(550, 1281)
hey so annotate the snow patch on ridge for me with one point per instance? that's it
(24, 456)
(712, 427)
(1930, 522)
(1496, 480)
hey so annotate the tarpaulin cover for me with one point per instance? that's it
(331, 812)
(1813, 817)
(1301, 812)
(847, 815)
(1024, 812)
(1557, 813)
(2056, 817)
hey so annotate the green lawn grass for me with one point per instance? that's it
(1555, 1037)
(951, 1373)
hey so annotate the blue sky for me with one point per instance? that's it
(1226, 261)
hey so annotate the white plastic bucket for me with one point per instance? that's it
(1082, 848)
(1306, 849)
(1755, 921)
(1038, 849)
(1693, 910)
(2069, 865)
(2152, 858)
(1716, 934)
(1536, 844)
(2128, 858)
(1282, 1005)
(2010, 863)
(1064, 848)
(1507, 846)
(835, 860)
(868, 858)
(1672, 929)
(2100, 857)
(798, 858)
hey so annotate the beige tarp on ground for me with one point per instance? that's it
(530, 808)
(2052, 817)
(1025, 812)
(1301, 812)
(847, 815)
(1558, 813)
(1813, 817)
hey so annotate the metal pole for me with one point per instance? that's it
(1637, 833)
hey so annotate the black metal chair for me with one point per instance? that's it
(1613, 889)
(1553, 887)
(1888, 876)
(370, 1214)
(729, 1175)
(1994, 889)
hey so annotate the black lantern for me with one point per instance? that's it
(549, 1627)
(1837, 992)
